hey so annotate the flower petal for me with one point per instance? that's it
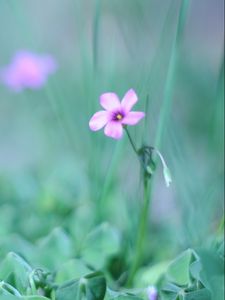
(110, 101)
(133, 117)
(129, 100)
(11, 78)
(98, 120)
(114, 129)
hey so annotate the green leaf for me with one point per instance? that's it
(212, 272)
(93, 286)
(7, 290)
(101, 244)
(172, 288)
(127, 297)
(9, 297)
(72, 269)
(15, 271)
(54, 249)
(34, 298)
(169, 296)
(121, 295)
(15, 243)
(68, 291)
(150, 275)
(202, 294)
(178, 271)
(195, 269)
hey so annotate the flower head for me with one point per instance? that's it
(152, 293)
(27, 70)
(116, 114)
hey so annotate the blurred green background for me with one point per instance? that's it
(56, 173)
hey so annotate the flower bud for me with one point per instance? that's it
(152, 293)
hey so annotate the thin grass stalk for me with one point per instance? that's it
(171, 75)
(94, 164)
(107, 182)
(96, 26)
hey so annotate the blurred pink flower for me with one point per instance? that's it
(116, 114)
(27, 70)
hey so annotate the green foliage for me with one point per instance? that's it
(178, 271)
(15, 271)
(74, 268)
(151, 274)
(70, 199)
(91, 287)
(192, 275)
(56, 242)
(101, 244)
(186, 277)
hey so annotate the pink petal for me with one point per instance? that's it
(11, 78)
(129, 100)
(114, 129)
(133, 117)
(98, 120)
(47, 64)
(110, 101)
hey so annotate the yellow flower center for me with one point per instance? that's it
(119, 117)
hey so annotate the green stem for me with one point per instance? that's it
(141, 234)
(131, 141)
(142, 222)
(96, 33)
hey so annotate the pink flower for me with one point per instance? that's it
(116, 114)
(27, 70)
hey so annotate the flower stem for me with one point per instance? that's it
(141, 234)
(131, 141)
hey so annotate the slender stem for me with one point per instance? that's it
(96, 33)
(142, 222)
(141, 234)
(131, 141)
(107, 183)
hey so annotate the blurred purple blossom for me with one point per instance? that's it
(27, 70)
(152, 293)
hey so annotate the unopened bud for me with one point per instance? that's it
(152, 293)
